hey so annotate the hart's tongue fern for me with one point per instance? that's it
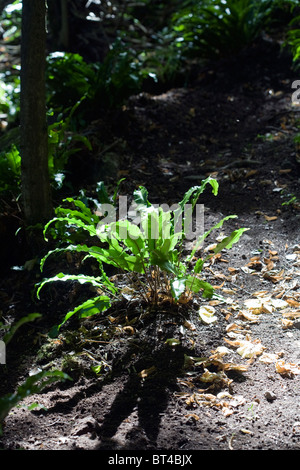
(152, 250)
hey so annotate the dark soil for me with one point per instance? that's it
(236, 122)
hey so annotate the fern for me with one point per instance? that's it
(153, 250)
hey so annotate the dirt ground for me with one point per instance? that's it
(228, 385)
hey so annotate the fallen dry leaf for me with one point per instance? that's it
(287, 369)
(199, 399)
(251, 173)
(218, 287)
(192, 415)
(261, 293)
(228, 291)
(270, 218)
(274, 277)
(236, 367)
(293, 303)
(129, 330)
(246, 431)
(146, 372)
(269, 264)
(250, 349)
(247, 316)
(233, 270)
(220, 352)
(207, 314)
(189, 325)
(279, 304)
(234, 327)
(286, 323)
(255, 263)
(186, 383)
(226, 411)
(273, 253)
(215, 377)
(210, 247)
(217, 362)
(265, 305)
(291, 315)
(258, 306)
(269, 358)
(215, 302)
(223, 401)
(247, 349)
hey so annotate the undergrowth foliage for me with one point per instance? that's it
(33, 384)
(152, 250)
(104, 85)
(293, 40)
(220, 28)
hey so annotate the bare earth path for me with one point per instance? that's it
(232, 384)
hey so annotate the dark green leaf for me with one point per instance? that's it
(33, 384)
(140, 197)
(196, 285)
(28, 318)
(230, 240)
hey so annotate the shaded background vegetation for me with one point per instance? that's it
(100, 53)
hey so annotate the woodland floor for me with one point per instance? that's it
(236, 122)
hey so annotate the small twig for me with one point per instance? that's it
(109, 147)
(230, 442)
(94, 341)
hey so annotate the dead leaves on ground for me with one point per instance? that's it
(266, 267)
(283, 273)
(281, 300)
(246, 348)
(251, 349)
(212, 380)
(223, 401)
(286, 369)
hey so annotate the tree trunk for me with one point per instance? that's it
(36, 193)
